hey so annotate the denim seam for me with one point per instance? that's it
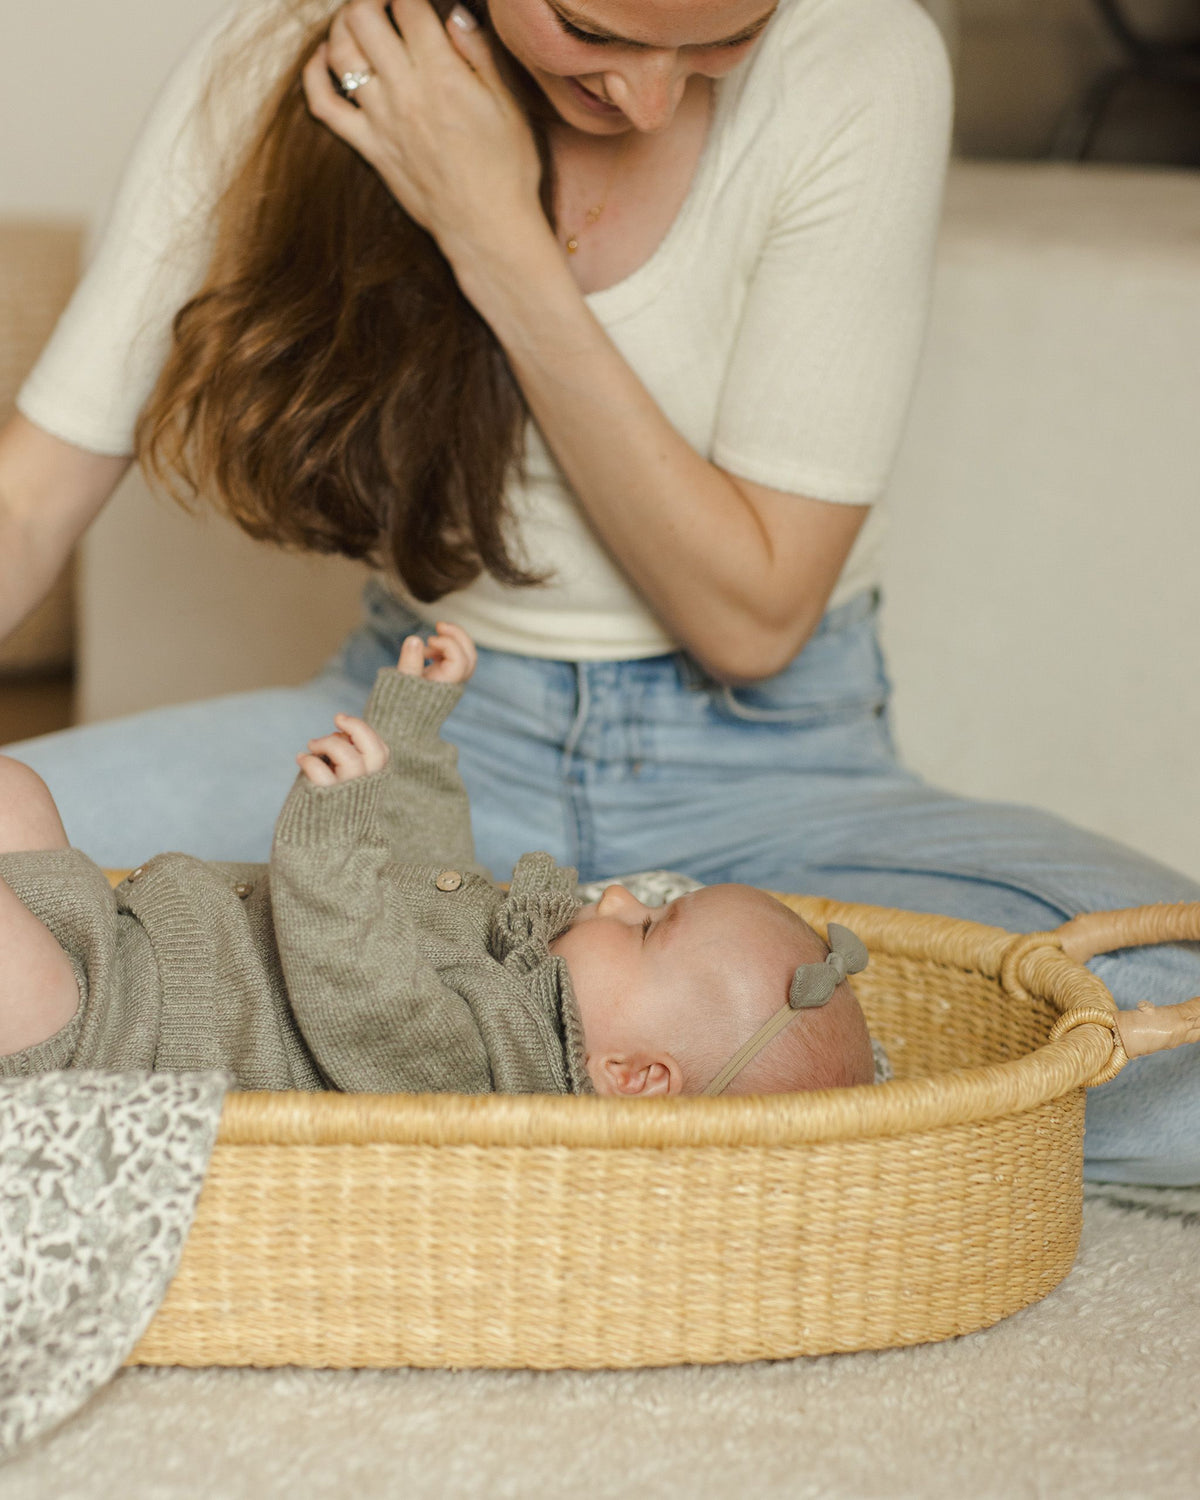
(571, 763)
(971, 873)
(799, 716)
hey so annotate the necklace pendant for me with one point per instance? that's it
(572, 245)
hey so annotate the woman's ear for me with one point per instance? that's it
(636, 1075)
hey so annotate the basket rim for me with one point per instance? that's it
(901, 1107)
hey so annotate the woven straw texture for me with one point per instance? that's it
(506, 1231)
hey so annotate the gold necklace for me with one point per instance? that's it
(593, 213)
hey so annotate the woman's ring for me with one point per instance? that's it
(351, 82)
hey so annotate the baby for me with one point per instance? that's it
(374, 954)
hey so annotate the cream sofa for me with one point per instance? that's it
(1044, 549)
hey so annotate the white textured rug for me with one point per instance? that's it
(1093, 1393)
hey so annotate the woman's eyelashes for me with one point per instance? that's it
(594, 40)
(646, 925)
(583, 36)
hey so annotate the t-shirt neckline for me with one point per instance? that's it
(642, 284)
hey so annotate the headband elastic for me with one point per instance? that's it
(812, 986)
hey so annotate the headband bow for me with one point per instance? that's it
(813, 984)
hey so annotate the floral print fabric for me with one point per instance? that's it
(99, 1175)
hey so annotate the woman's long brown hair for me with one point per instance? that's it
(329, 386)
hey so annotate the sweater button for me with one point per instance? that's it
(243, 888)
(136, 874)
(448, 880)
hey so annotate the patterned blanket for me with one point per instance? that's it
(99, 1175)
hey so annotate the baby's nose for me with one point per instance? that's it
(622, 904)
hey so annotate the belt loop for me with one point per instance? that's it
(692, 676)
(583, 703)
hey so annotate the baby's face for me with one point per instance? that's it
(618, 943)
(657, 986)
(624, 959)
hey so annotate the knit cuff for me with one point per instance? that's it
(410, 708)
(341, 814)
(56, 1052)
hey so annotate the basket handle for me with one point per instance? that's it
(1149, 1028)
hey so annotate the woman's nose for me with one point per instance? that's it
(648, 90)
(621, 904)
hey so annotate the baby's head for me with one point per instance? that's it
(667, 995)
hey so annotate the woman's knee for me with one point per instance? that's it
(28, 816)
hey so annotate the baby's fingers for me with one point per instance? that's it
(465, 644)
(315, 769)
(412, 657)
(453, 654)
(340, 754)
(365, 740)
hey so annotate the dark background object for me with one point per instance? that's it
(1146, 107)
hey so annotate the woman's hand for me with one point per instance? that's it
(354, 750)
(435, 119)
(448, 656)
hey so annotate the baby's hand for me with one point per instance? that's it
(451, 654)
(354, 750)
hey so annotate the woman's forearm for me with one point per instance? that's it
(721, 566)
(49, 491)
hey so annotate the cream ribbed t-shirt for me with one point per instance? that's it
(778, 323)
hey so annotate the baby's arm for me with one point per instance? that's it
(424, 813)
(372, 795)
(375, 1014)
(422, 808)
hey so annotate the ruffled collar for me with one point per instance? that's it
(540, 905)
(550, 987)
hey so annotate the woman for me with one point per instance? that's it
(690, 239)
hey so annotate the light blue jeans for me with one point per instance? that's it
(630, 765)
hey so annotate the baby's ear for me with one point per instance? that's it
(637, 1076)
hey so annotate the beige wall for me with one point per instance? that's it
(228, 614)
(78, 78)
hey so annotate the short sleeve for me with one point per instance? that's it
(105, 355)
(830, 334)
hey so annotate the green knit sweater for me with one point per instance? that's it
(372, 954)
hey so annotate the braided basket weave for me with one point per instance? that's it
(351, 1230)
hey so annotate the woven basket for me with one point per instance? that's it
(506, 1231)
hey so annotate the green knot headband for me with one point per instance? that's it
(812, 986)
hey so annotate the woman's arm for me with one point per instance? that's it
(105, 354)
(49, 493)
(104, 357)
(738, 573)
